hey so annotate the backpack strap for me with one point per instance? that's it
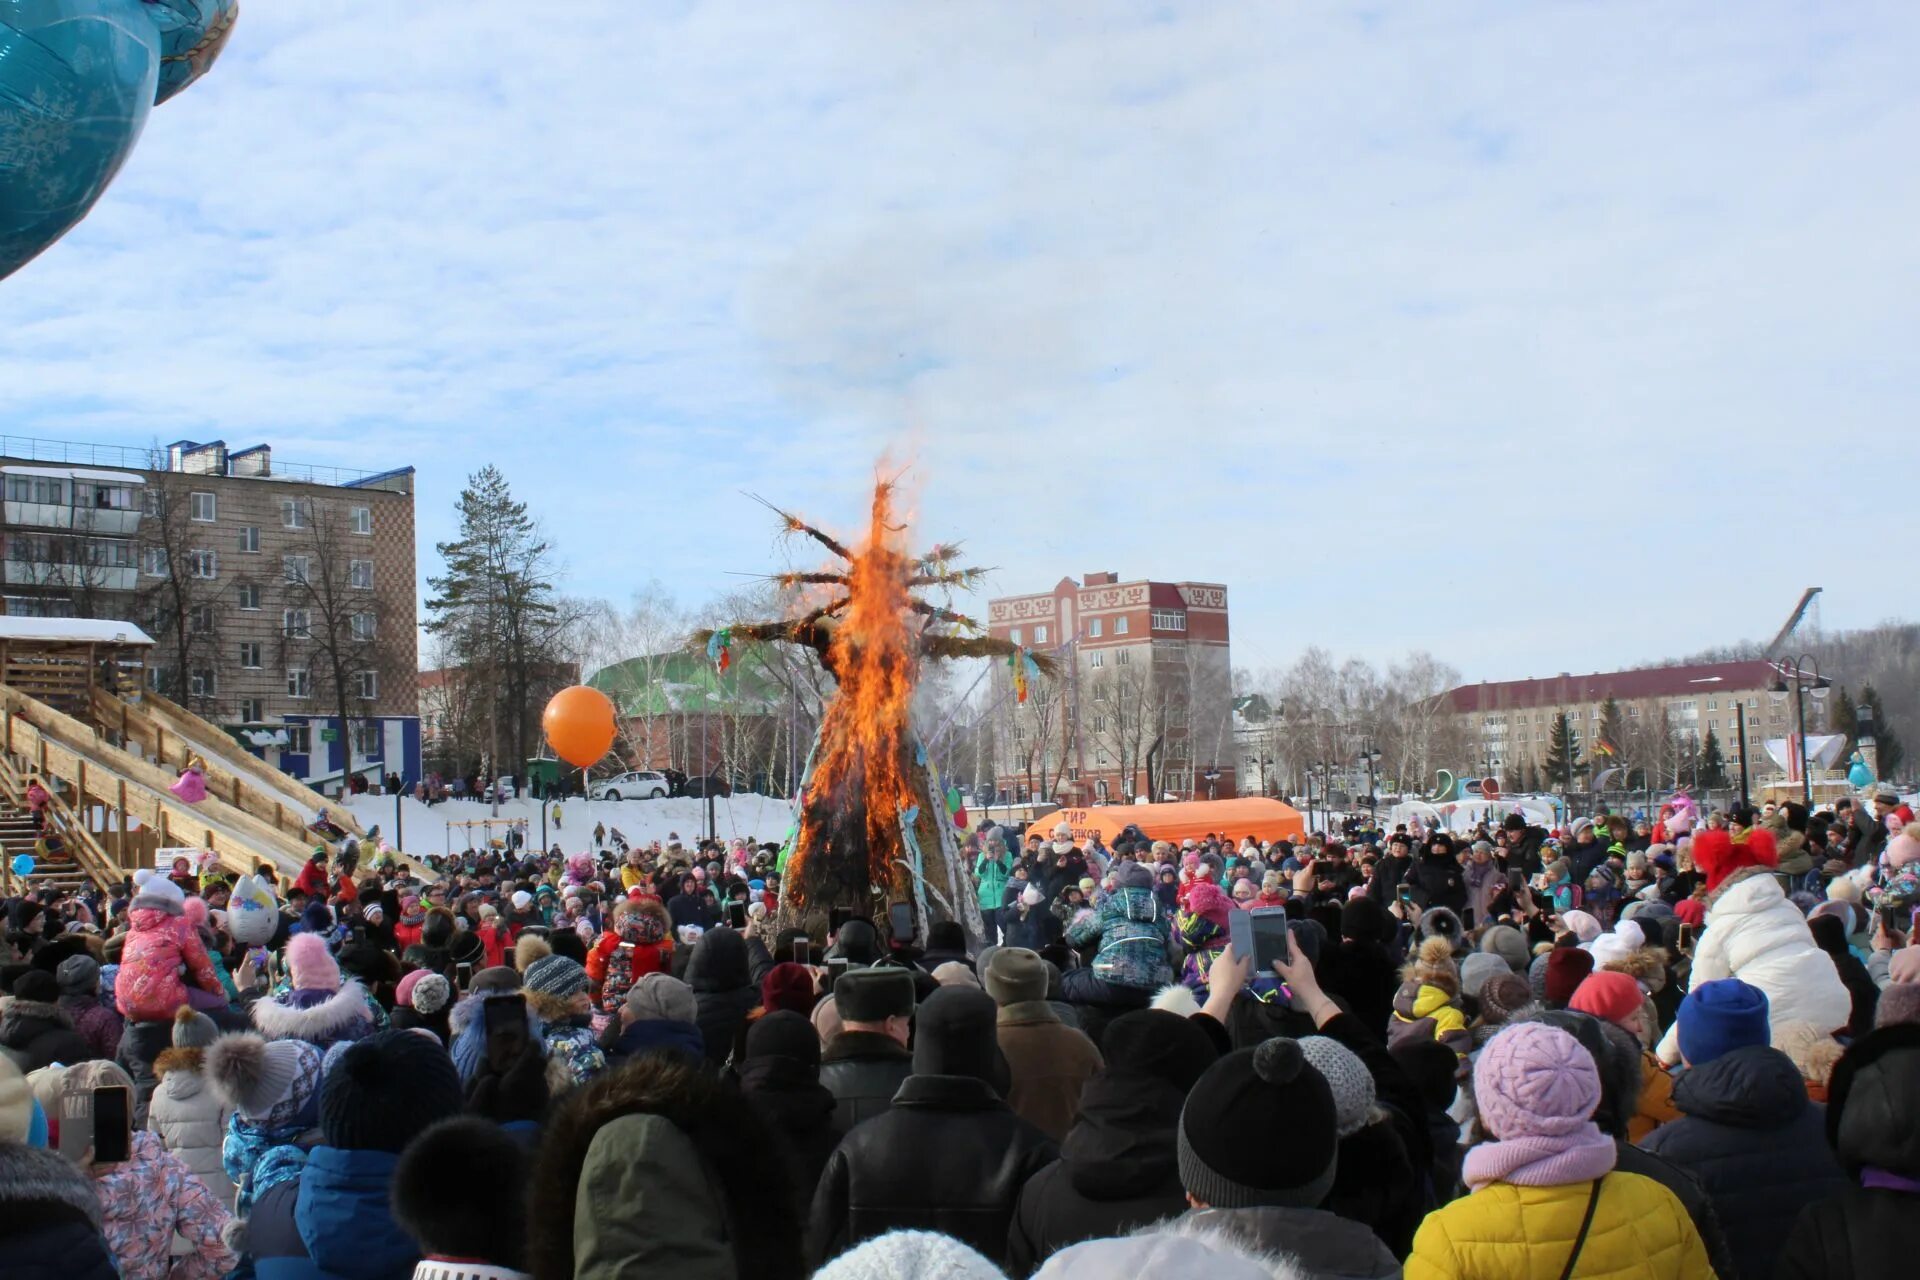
(1586, 1225)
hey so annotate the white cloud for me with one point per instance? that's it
(1543, 337)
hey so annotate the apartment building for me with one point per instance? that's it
(276, 593)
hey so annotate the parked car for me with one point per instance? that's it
(636, 784)
(714, 785)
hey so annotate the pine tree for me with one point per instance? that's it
(1890, 753)
(1712, 765)
(1611, 736)
(1843, 717)
(1563, 753)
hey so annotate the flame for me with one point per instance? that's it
(861, 784)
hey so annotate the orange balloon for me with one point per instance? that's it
(579, 725)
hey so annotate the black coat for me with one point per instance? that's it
(62, 1247)
(789, 1098)
(1873, 1121)
(948, 1157)
(723, 990)
(1118, 1170)
(38, 1035)
(1757, 1145)
(1388, 872)
(1441, 881)
(1365, 977)
(862, 1070)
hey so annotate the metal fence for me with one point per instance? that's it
(76, 453)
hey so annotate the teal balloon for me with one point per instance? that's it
(23, 864)
(1859, 775)
(77, 79)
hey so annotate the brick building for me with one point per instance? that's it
(273, 592)
(1142, 705)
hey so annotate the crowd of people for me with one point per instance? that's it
(1676, 1047)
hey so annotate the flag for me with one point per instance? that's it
(720, 649)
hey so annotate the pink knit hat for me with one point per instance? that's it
(1905, 965)
(1206, 900)
(313, 966)
(403, 994)
(1533, 1080)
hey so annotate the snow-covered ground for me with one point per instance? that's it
(426, 830)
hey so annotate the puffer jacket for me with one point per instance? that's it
(1751, 1138)
(637, 945)
(191, 1119)
(1299, 1242)
(37, 1035)
(1754, 934)
(1202, 925)
(1640, 1231)
(724, 992)
(149, 987)
(98, 1023)
(49, 1218)
(1424, 1012)
(1132, 938)
(146, 1202)
(321, 1018)
(332, 1223)
(1865, 1232)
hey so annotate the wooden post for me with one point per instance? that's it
(122, 801)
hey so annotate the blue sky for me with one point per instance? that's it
(1544, 336)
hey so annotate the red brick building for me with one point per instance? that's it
(1142, 704)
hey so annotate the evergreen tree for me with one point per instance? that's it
(1610, 738)
(1533, 776)
(1843, 717)
(1712, 765)
(1891, 753)
(1563, 753)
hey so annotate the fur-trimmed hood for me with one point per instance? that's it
(35, 1175)
(191, 1061)
(1289, 1244)
(344, 1015)
(1647, 965)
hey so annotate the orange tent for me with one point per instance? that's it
(1189, 820)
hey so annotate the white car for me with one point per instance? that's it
(640, 784)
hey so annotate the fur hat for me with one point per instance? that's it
(460, 1190)
(1442, 922)
(1899, 1004)
(1208, 901)
(953, 973)
(193, 1029)
(1503, 997)
(874, 995)
(270, 1084)
(911, 1254)
(1433, 966)
(151, 889)
(311, 964)
(430, 994)
(1903, 850)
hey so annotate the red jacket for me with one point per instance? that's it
(312, 880)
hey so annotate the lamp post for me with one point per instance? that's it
(1740, 709)
(1805, 673)
(1309, 795)
(1370, 753)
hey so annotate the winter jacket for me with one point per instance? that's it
(149, 987)
(1202, 926)
(1687, 1189)
(1865, 1232)
(1034, 928)
(1440, 881)
(653, 1035)
(1048, 1063)
(1364, 977)
(1756, 1144)
(863, 1070)
(724, 992)
(321, 1018)
(191, 1119)
(148, 1200)
(37, 1035)
(49, 1219)
(97, 1022)
(789, 1098)
(1118, 1170)
(639, 944)
(1422, 1012)
(992, 874)
(332, 1223)
(1132, 938)
(570, 1040)
(1317, 1244)
(1754, 934)
(949, 1156)
(1639, 1232)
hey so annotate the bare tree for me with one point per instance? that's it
(333, 618)
(179, 595)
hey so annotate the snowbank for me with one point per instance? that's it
(425, 830)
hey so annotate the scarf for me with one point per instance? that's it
(1888, 1181)
(1541, 1161)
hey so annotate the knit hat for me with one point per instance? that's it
(947, 936)
(1582, 924)
(1508, 943)
(16, 1103)
(1206, 900)
(1718, 1017)
(658, 997)
(151, 889)
(268, 1083)
(1607, 994)
(311, 965)
(1163, 1045)
(192, 1029)
(874, 995)
(1898, 1005)
(556, 976)
(1690, 911)
(1904, 967)
(1270, 1090)
(1503, 997)
(783, 1033)
(36, 986)
(385, 1089)
(788, 986)
(1567, 968)
(1015, 975)
(1478, 969)
(1348, 1079)
(910, 1255)
(1133, 875)
(430, 994)
(521, 900)
(78, 975)
(459, 1190)
(1165, 1250)
(403, 993)
(953, 1035)
(1533, 1080)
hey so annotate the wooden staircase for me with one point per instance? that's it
(53, 871)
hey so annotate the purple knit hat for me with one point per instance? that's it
(1533, 1080)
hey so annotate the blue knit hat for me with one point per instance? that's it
(1718, 1017)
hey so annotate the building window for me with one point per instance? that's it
(204, 564)
(1169, 620)
(252, 710)
(296, 624)
(249, 595)
(1124, 657)
(250, 539)
(366, 685)
(1099, 690)
(363, 625)
(1752, 703)
(201, 507)
(360, 575)
(360, 519)
(156, 678)
(1093, 628)
(1039, 635)
(1713, 704)
(1099, 660)
(299, 739)
(250, 654)
(200, 619)
(293, 513)
(1015, 636)
(153, 562)
(1633, 713)
(200, 682)
(299, 684)
(293, 568)
(1099, 724)
(366, 738)
(1713, 723)
(1100, 757)
(1687, 705)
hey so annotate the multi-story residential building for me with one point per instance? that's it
(1142, 703)
(281, 597)
(1666, 713)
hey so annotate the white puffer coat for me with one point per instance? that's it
(1754, 934)
(189, 1117)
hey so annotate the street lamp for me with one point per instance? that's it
(1370, 753)
(1805, 672)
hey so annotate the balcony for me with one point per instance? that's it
(111, 521)
(43, 573)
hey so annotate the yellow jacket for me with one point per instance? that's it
(1507, 1232)
(632, 876)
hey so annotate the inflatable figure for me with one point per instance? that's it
(252, 912)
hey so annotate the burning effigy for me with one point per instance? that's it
(874, 822)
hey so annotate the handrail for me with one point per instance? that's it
(88, 853)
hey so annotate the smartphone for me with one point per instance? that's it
(737, 914)
(112, 1124)
(802, 951)
(505, 1020)
(900, 922)
(836, 965)
(1686, 937)
(463, 974)
(1260, 933)
(1404, 893)
(837, 916)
